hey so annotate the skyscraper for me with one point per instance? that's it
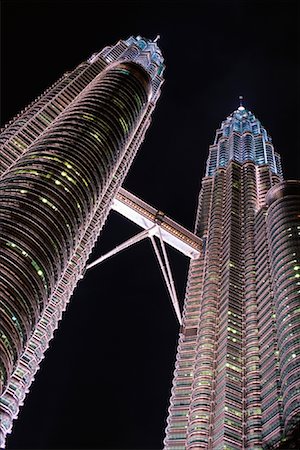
(237, 376)
(63, 160)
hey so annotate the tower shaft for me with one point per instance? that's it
(233, 370)
(63, 160)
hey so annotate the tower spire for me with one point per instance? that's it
(241, 98)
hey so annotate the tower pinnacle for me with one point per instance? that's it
(156, 39)
(241, 107)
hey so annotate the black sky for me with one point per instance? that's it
(106, 379)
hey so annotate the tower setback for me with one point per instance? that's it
(237, 379)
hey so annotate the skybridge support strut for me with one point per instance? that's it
(137, 238)
(162, 258)
(167, 277)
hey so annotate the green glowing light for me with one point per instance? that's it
(124, 125)
(126, 72)
(88, 117)
(96, 137)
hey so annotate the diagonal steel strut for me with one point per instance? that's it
(137, 238)
(162, 260)
(168, 278)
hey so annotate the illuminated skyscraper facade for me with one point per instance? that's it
(237, 377)
(63, 160)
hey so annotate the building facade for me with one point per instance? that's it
(63, 160)
(237, 376)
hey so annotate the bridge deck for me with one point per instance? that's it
(146, 216)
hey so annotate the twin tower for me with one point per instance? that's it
(63, 162)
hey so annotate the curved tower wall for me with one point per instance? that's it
(283, 228)
(270, 384)
(26, 127)
(50, 193)
(106, 122)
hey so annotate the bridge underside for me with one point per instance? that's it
(155, 224)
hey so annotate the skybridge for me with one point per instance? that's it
(156, 224)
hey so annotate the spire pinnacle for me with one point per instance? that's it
(156, 39)
(241, 107)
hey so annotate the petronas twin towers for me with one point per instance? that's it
(63, 161)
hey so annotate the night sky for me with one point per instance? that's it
(106, 379)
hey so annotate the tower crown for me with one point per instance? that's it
(241, 114)
(140, 50)
(148, 47)
(242, 120)
(241, 137)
